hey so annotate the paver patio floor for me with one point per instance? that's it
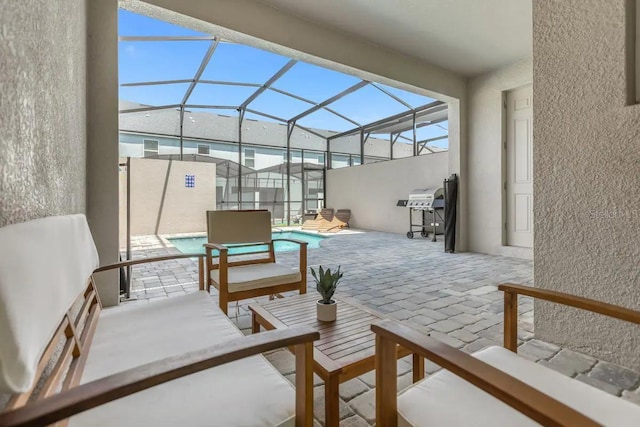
(451, 296)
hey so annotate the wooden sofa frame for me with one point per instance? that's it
(515, 393)
(48, 407)
(223, 264)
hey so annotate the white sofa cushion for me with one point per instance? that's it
(444, 399)
(44, 265)
(256, 276)
(248, 392)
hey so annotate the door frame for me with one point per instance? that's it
(503, 170)
(503, 166)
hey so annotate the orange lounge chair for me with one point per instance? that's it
(339, 221)
(323, 217)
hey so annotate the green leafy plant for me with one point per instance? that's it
(326, 282)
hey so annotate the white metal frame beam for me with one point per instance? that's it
(308, 101)
(269, 116)
(331, 100)
(165, 38)
(150, 108)
(203, 66)
(391, 95)
(386, 121)
(306, 129)
(281, 72)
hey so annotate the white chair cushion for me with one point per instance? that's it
(44, 265)
(446, 400)
(248, 392)
(256, 276)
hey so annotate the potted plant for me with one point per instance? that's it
(326, 284)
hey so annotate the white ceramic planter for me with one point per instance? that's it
(326, 312)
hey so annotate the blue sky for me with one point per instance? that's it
(173, 60)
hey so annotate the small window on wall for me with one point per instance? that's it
(250, 157)
(150, 148)
(204, 149)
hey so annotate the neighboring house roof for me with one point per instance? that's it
(206, 125)
(210, 126)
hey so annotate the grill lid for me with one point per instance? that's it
(423, 198)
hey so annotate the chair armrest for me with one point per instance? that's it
(218, 246)
(145, 261)
(299, 242)
(98, 392)
(513, 392)
(511, 292)
(303, 255)
(594, 306)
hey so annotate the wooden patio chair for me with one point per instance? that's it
(495, 386)
(323, 217)
(256, 273)
(339, 222)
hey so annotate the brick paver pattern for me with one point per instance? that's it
(453, 297)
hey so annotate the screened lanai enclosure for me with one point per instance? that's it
(272, 125)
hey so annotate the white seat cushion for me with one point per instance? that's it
(256, 276)
(248, 392)
(44, 265)
(446, 400)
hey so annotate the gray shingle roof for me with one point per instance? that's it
(211, 126)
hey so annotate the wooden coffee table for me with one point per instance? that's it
(346, 348)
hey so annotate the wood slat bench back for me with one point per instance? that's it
(74, 335)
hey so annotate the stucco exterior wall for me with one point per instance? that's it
(586, 174)
(160, 201)
(485, 155)
(371, 191)
(42, 109)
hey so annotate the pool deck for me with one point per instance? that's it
(451, 296)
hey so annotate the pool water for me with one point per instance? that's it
(193, 245)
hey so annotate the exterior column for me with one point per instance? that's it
(102, 140)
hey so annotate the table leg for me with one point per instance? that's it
(331, 403)
(255, 326)
(418, 367)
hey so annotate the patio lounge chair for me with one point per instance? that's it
(495, 386)
(248, 278)
(323, 217)
(339, 221)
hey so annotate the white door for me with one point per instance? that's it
(519, 176)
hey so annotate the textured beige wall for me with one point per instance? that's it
(586, 174)
(42, 109)
(371, 191)
(160, 202)
(485, 154)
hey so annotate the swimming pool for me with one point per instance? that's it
(193, 245)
